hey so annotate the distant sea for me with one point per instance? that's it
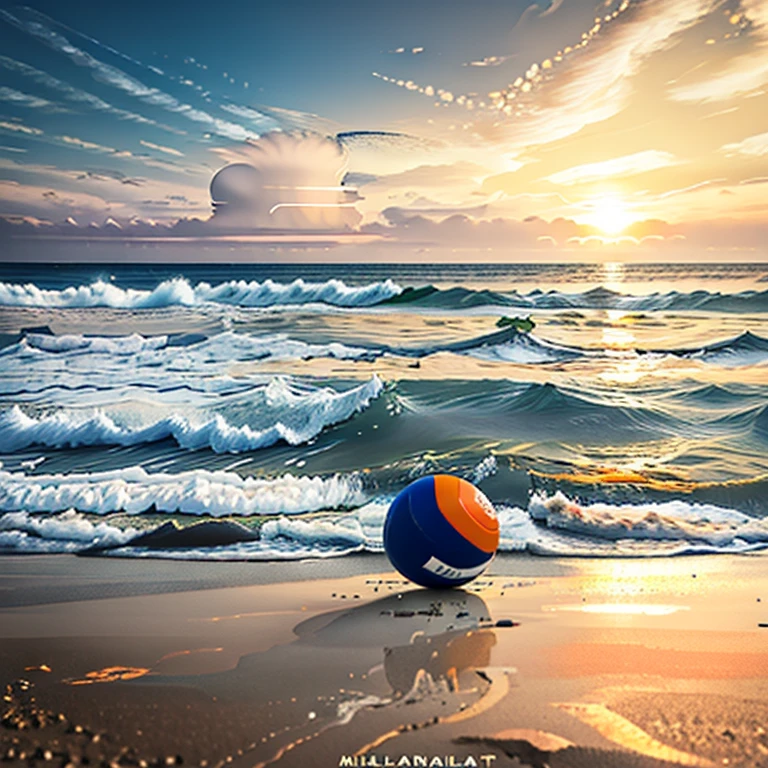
(264, 412)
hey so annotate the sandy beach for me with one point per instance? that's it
(541, 662)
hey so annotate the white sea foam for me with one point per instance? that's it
(551, 526)
(278, 549)
(524, 349)
(293, 415)
(196, 492)
(67, 526)
(109, 345)
(81, 371)
(18, 542)
(179, 292)
(664, 526)
(223, 347)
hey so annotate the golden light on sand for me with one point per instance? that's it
(609, 214)
(623, 609)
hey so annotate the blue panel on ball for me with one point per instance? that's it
(410, 545)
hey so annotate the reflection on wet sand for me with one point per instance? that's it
(417, 650)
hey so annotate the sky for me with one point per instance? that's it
(525, 130)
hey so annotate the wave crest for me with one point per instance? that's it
(180, 292)
(196, 492)
(310, 413)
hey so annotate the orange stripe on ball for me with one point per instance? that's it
(468, 511)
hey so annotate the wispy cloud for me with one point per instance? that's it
(262, 121)
(753, 146)
(160, 148)
(26, 198)
(27, 100)
(597, 84)
(79, 96)
(743, 75)
(106, 184)
(106, 73)
(20, 128)
(690, 188)
(740, 77)
(488, 61)
(416, 50)
(628, 165)
(73, 141)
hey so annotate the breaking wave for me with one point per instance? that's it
(133, 490)
(295, 415)
(595, 298)
(180, 292)
(553, 525)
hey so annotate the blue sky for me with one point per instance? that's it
(606, 115)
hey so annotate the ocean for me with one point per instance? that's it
(272, 412)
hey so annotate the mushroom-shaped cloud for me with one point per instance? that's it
(285, 181)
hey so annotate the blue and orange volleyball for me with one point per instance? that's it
(441, 531)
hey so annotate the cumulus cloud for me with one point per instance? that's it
(285, 181)
(534, 233)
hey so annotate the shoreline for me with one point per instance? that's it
(570, 661)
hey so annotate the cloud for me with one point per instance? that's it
(82, 144)
(106, 73)
(30, 198)
(26, 100)
(741, 76)
(126, 192)
(534, 233)
(284, 181)
(20, 128)
(488, 61)
(73, 142)
(689, 188)
(77, 95)
(552, 8)
(259, 119)
(584, 83)
(628, 165)
(461, 230)
(160, 148)
(596, 86)
(753, 146)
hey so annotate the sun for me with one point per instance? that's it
(609, 214)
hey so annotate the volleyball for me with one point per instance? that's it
(441, 531)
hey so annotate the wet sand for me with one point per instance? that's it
(541, 662)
